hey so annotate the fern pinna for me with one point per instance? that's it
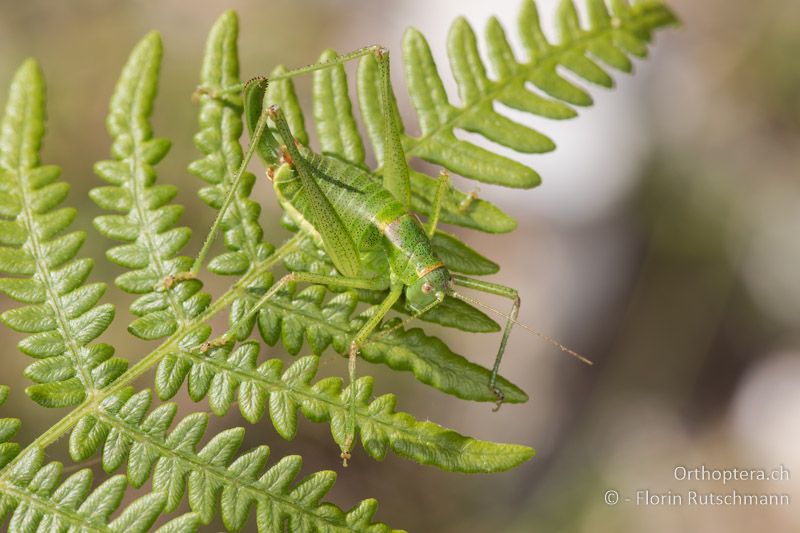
(143, 439)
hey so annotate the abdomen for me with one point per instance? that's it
(408, 248)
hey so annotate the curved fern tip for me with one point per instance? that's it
(30, 74)
(150, 43)
(523, 453)
(227, 21)
(153, 37)
(411, 33)
(514, 455)
(459, 22)
(30, 65)
(228, 17)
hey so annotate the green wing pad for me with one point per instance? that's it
(338, 242)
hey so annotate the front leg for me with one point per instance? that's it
(511, 319)
(505, 292)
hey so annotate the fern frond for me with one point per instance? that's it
(226, 375)
(609, 37)
(218, 139)
(146, 221)
(147, 442)
(62, 314)
(36, 499)
(216, 479)
(39, 501)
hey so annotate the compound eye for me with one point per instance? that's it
(427, 287)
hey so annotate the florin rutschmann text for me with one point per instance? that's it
(701, 474)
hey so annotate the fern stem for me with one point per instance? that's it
(92, 402)
(138, 193)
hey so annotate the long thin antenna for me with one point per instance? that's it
(539, 334)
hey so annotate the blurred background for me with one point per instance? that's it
(663, 244)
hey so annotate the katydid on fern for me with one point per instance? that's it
(355, 217)
(356, 230)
